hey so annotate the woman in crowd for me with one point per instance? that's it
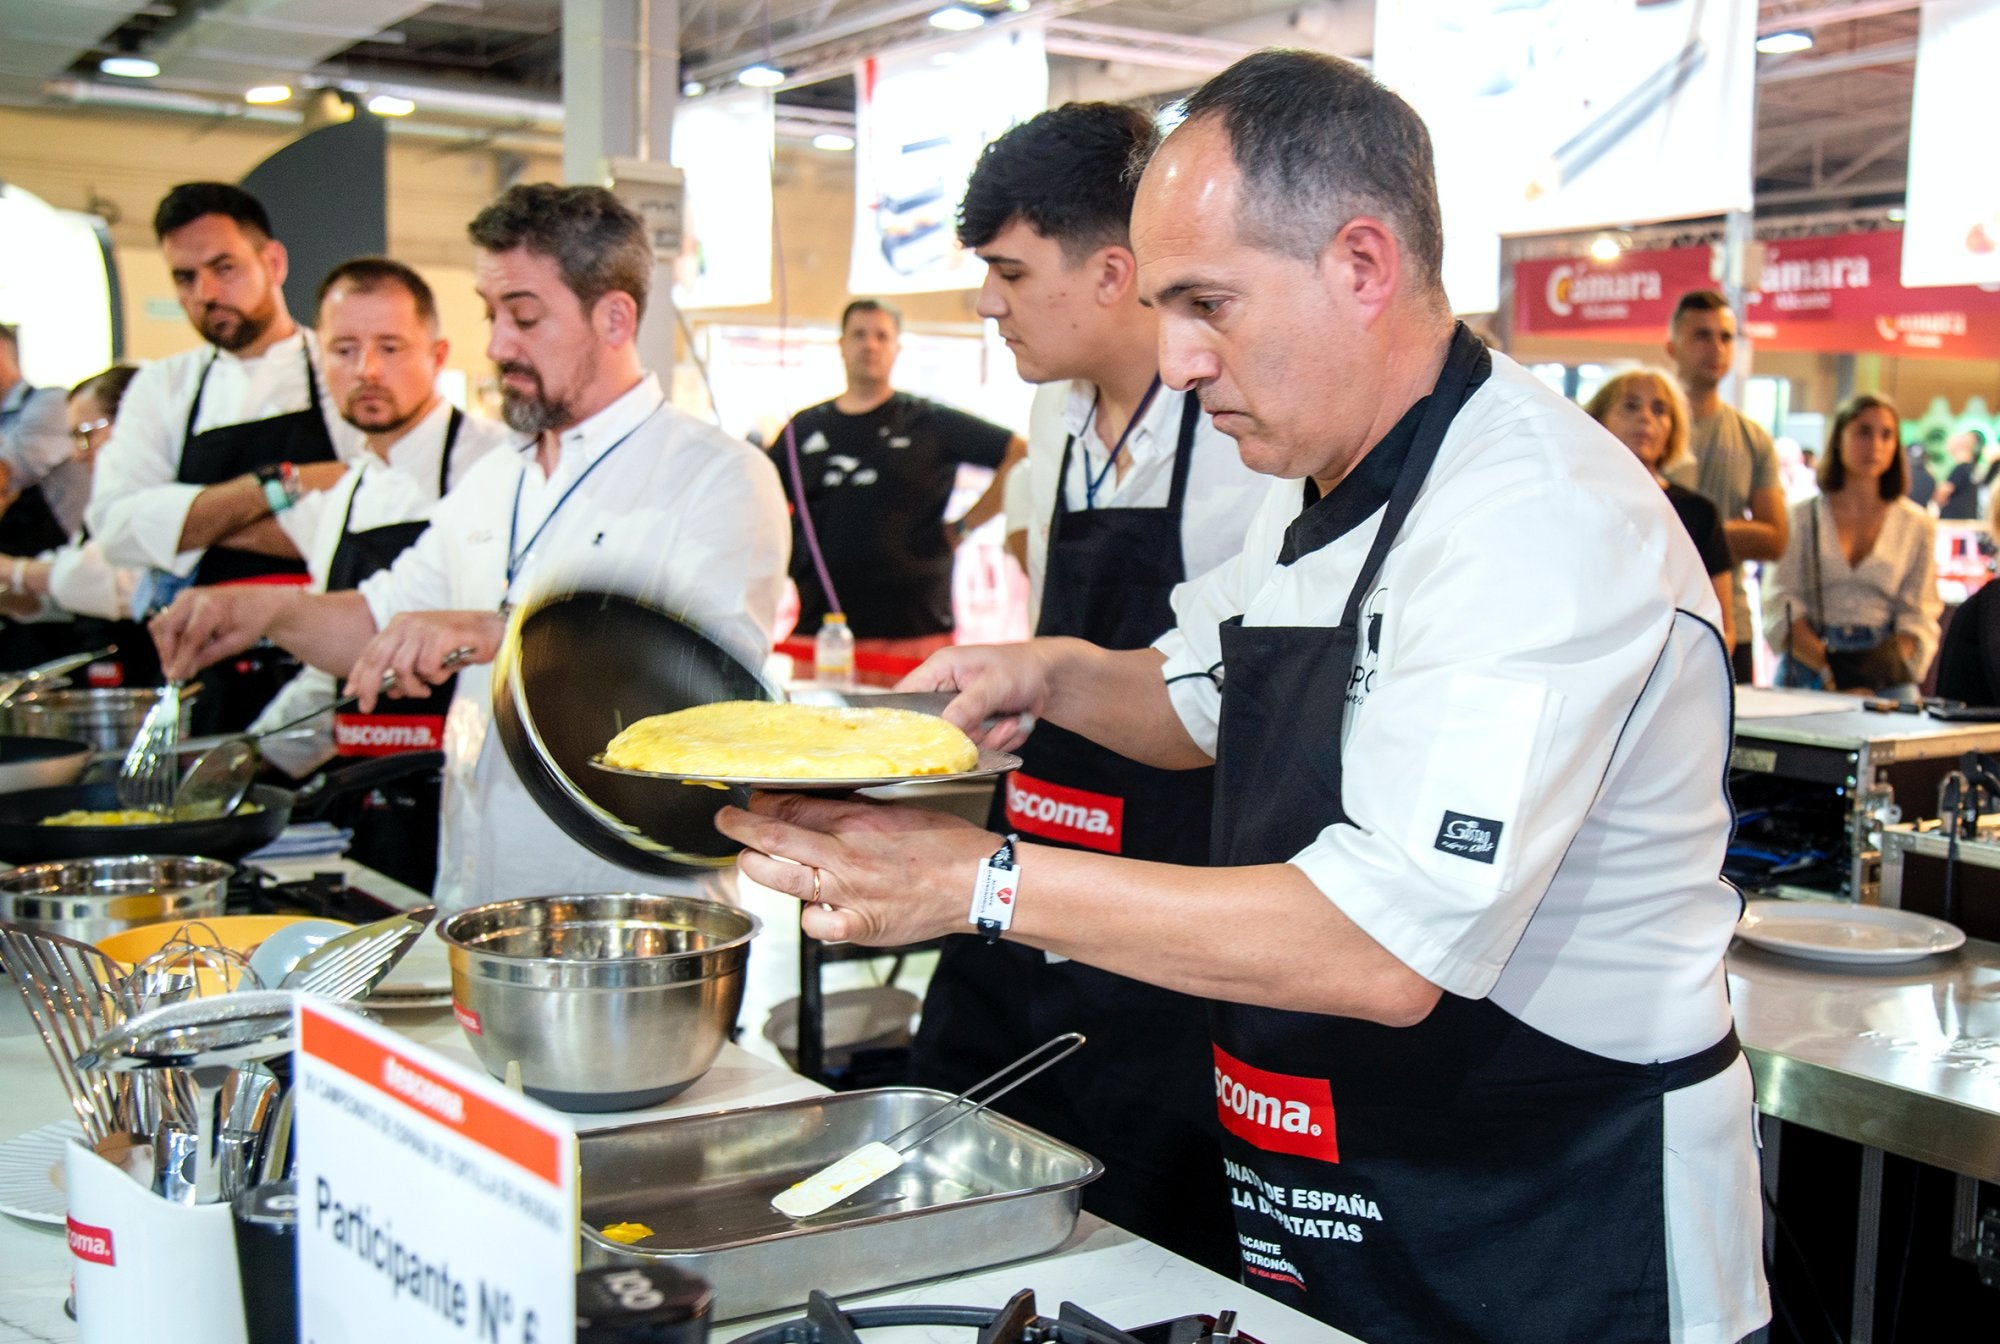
(75, 583)
(1646, 411)
(1853, 605)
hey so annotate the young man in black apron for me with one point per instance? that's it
(1049, 209)
(212, 444)
(1473, 1052)
(377, 323)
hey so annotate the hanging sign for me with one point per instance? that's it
(1578, 295)
(1952, 236)
(921, 120)
(722, 144)
(433, 1203)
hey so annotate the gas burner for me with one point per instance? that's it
(252, 891)
(825, 1322)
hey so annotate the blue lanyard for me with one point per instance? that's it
(514, 557)
(1092, 483)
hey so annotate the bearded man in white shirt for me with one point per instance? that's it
(613, 487)
(211, 444)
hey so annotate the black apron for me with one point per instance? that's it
(1138, 1095)
(396, 824)
(1468, 1178)
(236, 689)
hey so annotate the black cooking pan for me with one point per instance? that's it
(23, 839)
(575, 669)
(40, 762)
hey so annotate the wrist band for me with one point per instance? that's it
(14, 576)
(994, 891)
(280, 485)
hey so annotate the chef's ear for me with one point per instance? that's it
(1114, 272)
(1365, 261)
(276, 260)
(615, 315)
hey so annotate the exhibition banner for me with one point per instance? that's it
(921, 119)
(1577, 296)
(722, 144)
(1552, 115)
(1952, 236)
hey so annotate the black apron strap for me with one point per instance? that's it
(451, 428)
(194, 407)
(1184, 450)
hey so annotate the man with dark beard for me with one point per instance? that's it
(211, 444)
(614, 489)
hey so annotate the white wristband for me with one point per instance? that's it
(994, 892)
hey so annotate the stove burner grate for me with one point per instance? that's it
(826, 1322)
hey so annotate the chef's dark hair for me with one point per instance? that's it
(1066, 173)
(1833, 472)
(107, 389)
(191, 200)
(888, 310)
(597, 243)
(1318, 142)
(365, 275)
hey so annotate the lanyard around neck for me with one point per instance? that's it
(514, 557)
(1091, 484)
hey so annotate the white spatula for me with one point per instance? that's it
(872, 1161)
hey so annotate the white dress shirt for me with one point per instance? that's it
(1522, 663)
(679, 514)
(403, 489)
(1893, 588)
(138, 506)
(1222, 493)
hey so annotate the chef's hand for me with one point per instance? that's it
(205, 625)
(1001, 689)
(414, 646)
(887, 875)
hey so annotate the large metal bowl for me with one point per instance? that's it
(107, 717)
(607, 1002)
(89, 899)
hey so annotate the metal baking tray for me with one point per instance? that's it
(987, 1191)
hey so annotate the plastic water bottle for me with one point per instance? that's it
(833, 652)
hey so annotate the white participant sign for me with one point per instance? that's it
(1952, 235)
(723, 144)
(921, 119)
(433, 1203)
(1550, 115)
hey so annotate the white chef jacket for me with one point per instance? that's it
(137, 505)
(680, 515)
(1516, 667)
(402, 490)
(1222, 493)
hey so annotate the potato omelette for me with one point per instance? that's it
(754, 739)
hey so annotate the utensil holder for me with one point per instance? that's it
(145, 1267)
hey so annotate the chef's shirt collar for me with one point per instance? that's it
(1079, 409)
(16, 398)
(289, 347)
(1359, 496)
(584, 443)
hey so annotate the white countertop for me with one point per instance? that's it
(1102, 1268)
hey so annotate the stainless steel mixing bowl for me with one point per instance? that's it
(89, 899)
(107, 717)
(607, 1002)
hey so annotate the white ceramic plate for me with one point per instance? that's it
(29, 1164)
(1838, 931)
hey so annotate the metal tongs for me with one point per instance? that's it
(872, 1161)
(14, 683)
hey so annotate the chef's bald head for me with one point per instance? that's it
(597, 243)
(1318, 142)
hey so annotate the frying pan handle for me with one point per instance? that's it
(331, 786)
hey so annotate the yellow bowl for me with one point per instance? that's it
(237, 933)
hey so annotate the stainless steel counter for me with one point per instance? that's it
(1904, 1058)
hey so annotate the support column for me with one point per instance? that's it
(1736, 241)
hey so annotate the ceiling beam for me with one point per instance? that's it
(1772, 19)
(1804, 67)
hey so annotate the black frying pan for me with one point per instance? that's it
(40, 762)
(574, 670)
(23, 839)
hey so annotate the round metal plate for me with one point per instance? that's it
(991, 763)
(574, 670)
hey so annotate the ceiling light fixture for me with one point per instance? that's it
(267, 93)
(834, 141)
(957, 19)
(761, 76)
(1605, 248)
(1784, 44)
(694, 88)
(1019, 6)
(389, 105)
(129, 67)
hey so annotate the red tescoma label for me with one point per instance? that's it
(387, 734)
(90, 1243)
(1276, 1112)
(466, 1018)
(1073, 816)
